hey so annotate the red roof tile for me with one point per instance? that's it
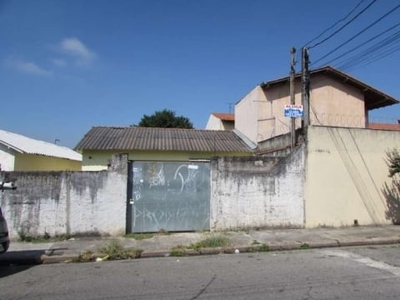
(224, 116)
(384, 126)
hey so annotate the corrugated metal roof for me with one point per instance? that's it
(161, 139)
(28, 145)
(224, 116)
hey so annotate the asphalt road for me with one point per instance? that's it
(335, 273)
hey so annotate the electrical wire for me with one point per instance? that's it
(345, 25)
(358, 34)
(382, 56)
(361, 45)
(377, 52)
(374, 50)
(336, 23)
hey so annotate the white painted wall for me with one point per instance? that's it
(214, 123)
(7, 158)
(261, 193)
(103, 209)
(58, 203)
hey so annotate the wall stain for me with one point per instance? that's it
(82, 181)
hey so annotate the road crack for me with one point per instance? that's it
(203, 289)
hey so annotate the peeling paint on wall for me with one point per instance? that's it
(258, 191)
(86, 181)
(67, 202)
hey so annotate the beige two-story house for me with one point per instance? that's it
(336, 99)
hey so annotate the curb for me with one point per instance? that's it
(273, 247)
(325, 244)
(154, 253)
(46, 259)
(368, 242)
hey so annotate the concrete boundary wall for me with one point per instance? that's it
(257, 191)
(347, 175)
(245, 192)
(72, 203)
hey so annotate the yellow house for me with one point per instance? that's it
(21, 153)
(336, 99)
(159, 144)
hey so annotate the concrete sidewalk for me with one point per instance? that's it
(160, 245)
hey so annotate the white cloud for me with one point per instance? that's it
(58, 62)
(27, 67)
(75, 48)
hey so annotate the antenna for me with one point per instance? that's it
(230, 106)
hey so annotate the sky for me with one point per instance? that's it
(68, 65)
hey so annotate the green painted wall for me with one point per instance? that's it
(98, 160)
(31, 162)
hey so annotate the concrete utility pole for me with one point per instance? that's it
(305, 92)
(292, 97)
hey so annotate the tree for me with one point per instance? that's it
(165, 119)
(391, 191)
(393, 161)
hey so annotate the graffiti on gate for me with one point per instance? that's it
(170, 196)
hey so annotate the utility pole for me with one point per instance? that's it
(292, 97)
(305, 91)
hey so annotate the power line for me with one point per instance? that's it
(375, 49)
(376, 52)
(344, 26)
(358, 34)
(362, 44)
(388, 52)
(332, 26)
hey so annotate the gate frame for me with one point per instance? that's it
(128, 198)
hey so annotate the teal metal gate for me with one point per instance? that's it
(168, 196)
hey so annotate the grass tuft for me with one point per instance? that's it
(304, 246)
(86, 256)
(178, 251)
(213, 241)
(114, 250)
(264, 248)
(140, 236)
(46, 238)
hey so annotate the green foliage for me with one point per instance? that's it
(46, 238)
(165, 119)
(114, 250)
(392, 191)
(178, 251)
(393, 161)
(258, 247)
(86, 256)
(213, 241)
(264, 248)
(140, 236)
(304, 246)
